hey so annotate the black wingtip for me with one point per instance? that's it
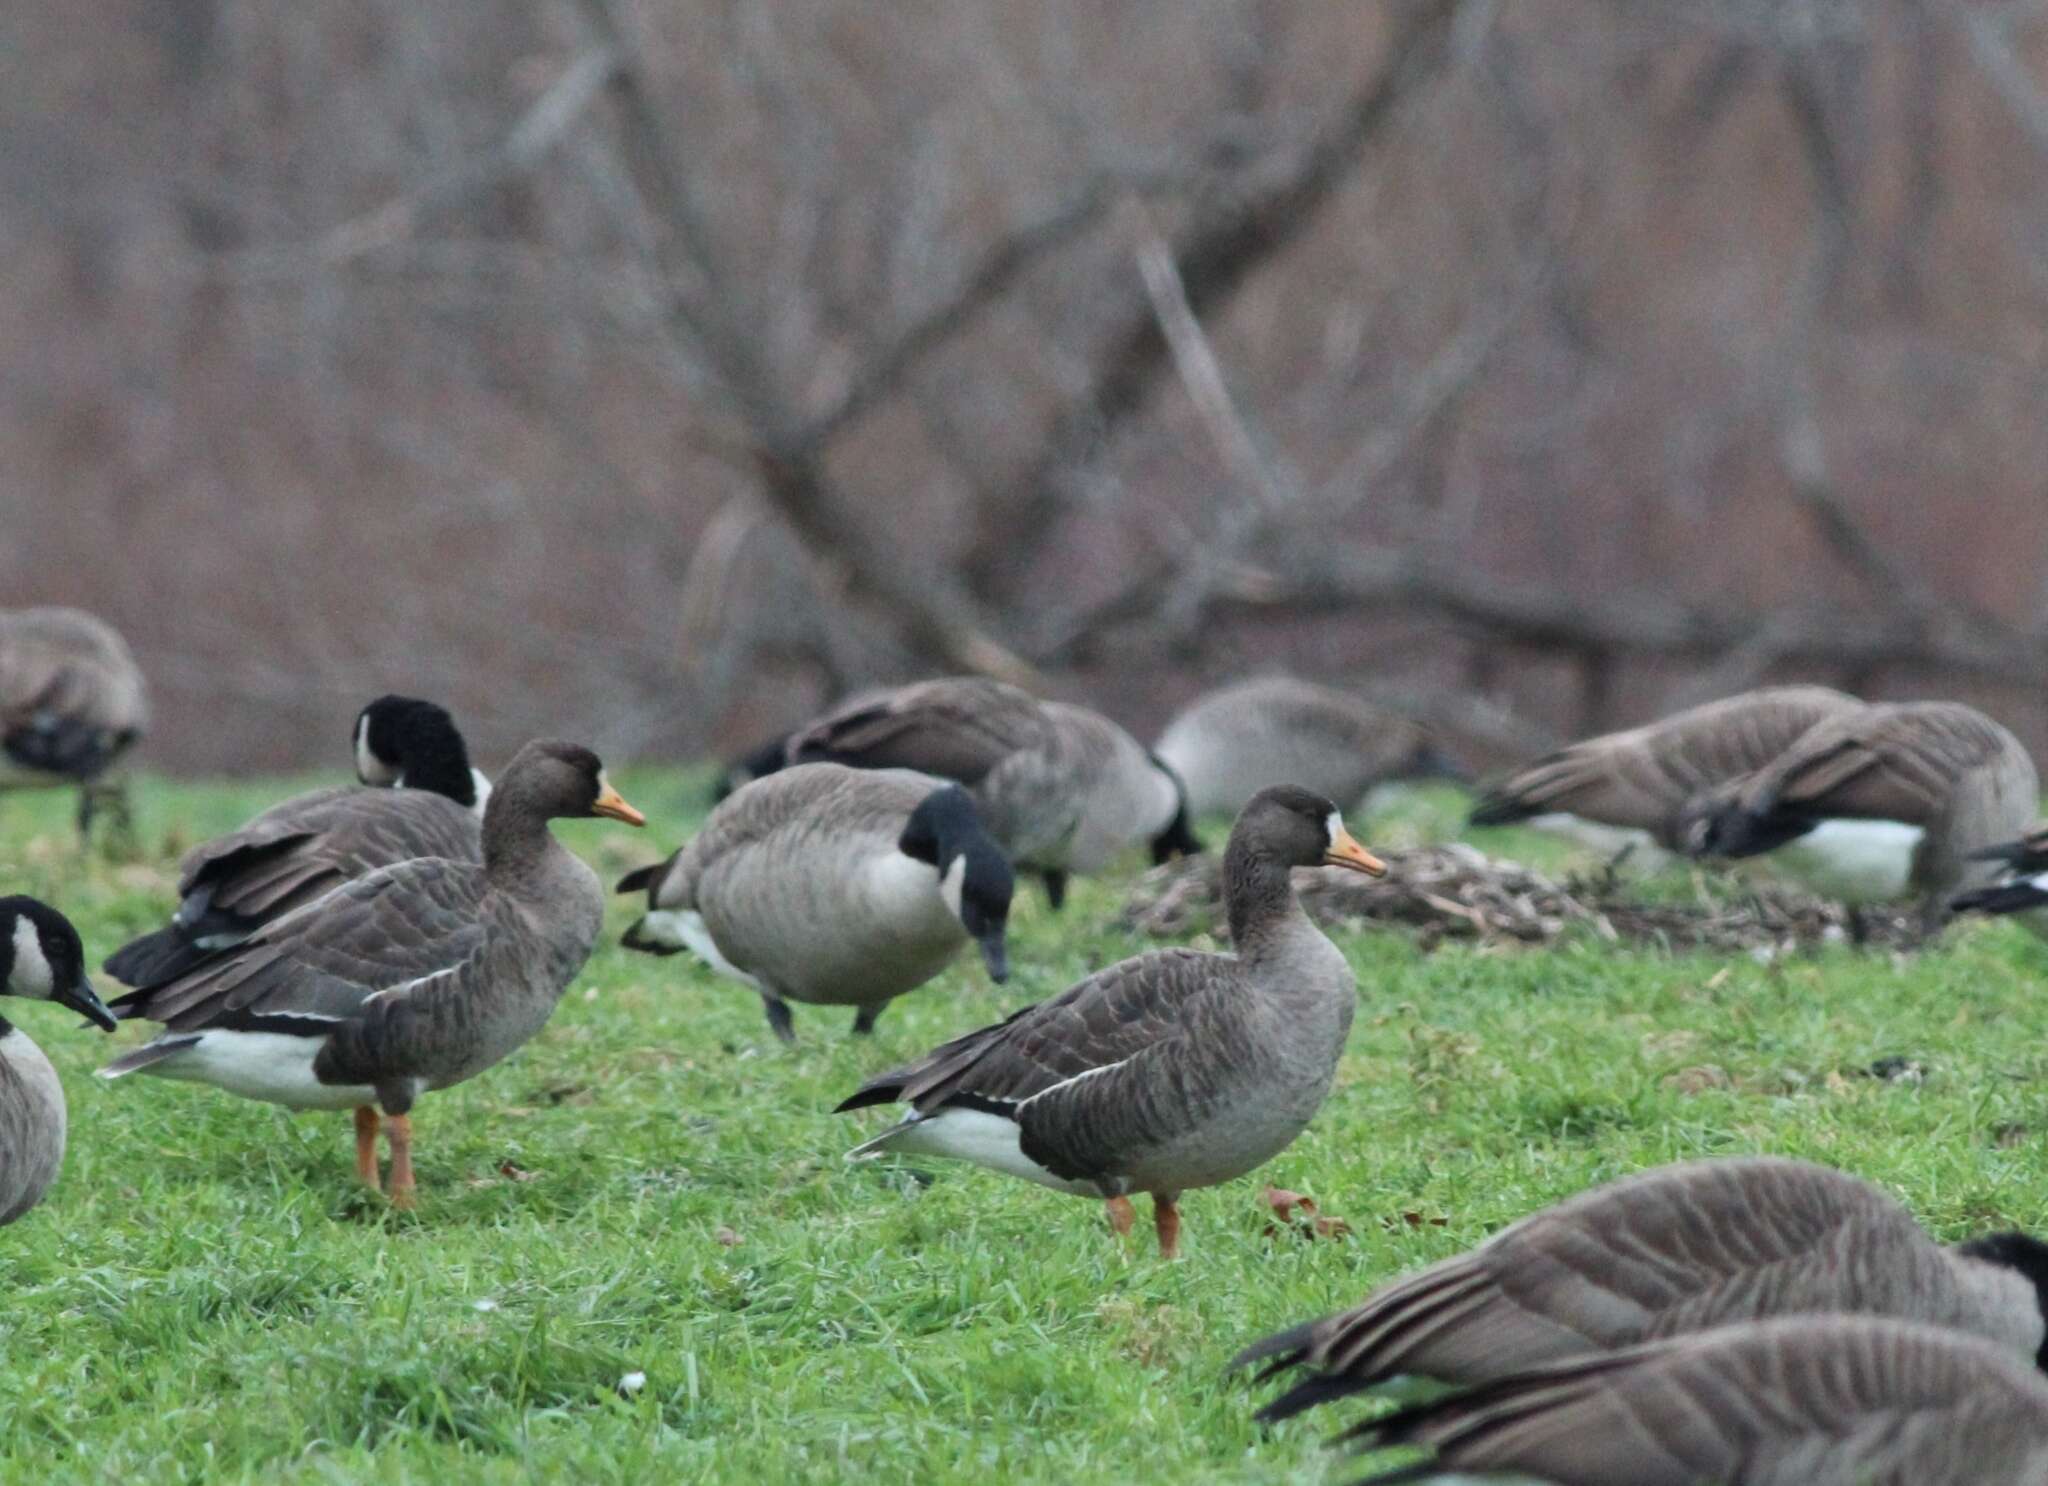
(1497, 810)
(868, 1097)
(1293, 1341)
(1309, 1393)
(637, 880)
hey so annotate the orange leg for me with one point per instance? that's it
(366, 1147)
(398, 1131)
(1121, 1216)
(1166, 1223)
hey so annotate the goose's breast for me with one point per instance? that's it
(31, 1125)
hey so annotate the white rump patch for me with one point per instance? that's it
(30, 977)
(684, 928)
(1857, 861)
(275, 1067)
(975, 1135)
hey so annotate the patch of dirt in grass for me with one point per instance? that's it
(1456, 892)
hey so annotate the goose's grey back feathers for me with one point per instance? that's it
(71, 696)
(1669, 1251)
(1230, 743)
(32, 1123)
(797, 879)
(1642, 777)
(1833, 1401)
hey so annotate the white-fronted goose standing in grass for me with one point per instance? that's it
(1061, 789)
(72, 701)
(1678, 1249)
(2022, 885)
(40, 960)
(1890, 800)
(1819, 1401)
(1230, 743)
(307, 846)
(415, 977)
(833, 887)
(1172, 1070)
(1628, 791)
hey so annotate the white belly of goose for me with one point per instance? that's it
(974, 1135)
(275, 1067)
(1856, 861)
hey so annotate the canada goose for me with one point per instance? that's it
(72, 701)
(1677, 1249)
(1172, 1070)
(831, 886)
(1230, 743)
(305, 847)
(417, 976)
(1879, 802)
(1628, 790)
(1818, 1401)
(1062, 789)
(40, 960)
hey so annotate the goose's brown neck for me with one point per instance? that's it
(516, 838)
(1258, 895)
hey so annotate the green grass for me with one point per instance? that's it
(655, 1186)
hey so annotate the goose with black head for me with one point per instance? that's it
(41, 959)
(833, 887)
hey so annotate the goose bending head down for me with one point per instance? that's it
(406, 743)
(1172, 1070)
(41, 959)
(833, 887)
(414, 977)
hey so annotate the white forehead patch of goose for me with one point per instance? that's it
(31, 975)
(1335, 826)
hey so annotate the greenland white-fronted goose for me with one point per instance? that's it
(307, 846)
(1678, 1249)
(40, 960)
(1886, 801)
(831, 886)
(72, 701)
(1172, 1070)
(1819, 1401)
(1062, 789)
(414, 977)
(1230, 743)
(1629, 790)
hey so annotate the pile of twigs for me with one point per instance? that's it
(1455, 892)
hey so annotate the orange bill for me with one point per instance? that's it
(1346, 852)
(610, 802)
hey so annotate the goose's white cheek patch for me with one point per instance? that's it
(953, 883)
(31, 977)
